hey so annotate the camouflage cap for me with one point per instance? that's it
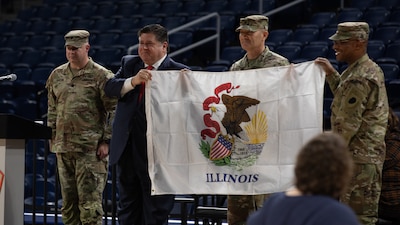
(348, 30)
(76, 38)
(253, 23)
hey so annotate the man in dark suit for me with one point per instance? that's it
(128, 149)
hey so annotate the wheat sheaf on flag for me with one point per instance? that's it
(235, 132)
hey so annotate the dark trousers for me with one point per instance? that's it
(136, 204)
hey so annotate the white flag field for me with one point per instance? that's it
(235, 132)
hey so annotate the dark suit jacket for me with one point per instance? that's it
(127, 105)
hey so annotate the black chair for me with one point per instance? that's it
(393, 51)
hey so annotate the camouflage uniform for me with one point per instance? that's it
(240, 206)
(359, 114)
(80, 115)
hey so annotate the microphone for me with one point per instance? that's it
(10, 77)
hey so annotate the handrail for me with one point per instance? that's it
(216, 36)
(281, 8)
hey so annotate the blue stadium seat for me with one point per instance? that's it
(326, 32)
(107, 9)
(127, 8)
(107, 56)
(393, 51)
(389, 4)
(349, 14)
(45, 11)
(9, 58)
(216, 68)
(376, 49)
(40, 74)
(65, 12)
(23, 73)
(232, 54)
(81, 23)
(391, 71)
(291, 52)
(128, 39)
(27, 108)
(311, 52)
(85, 10)
(60, 26)
(171, 7)
(279, 36)
(305, 35)
(105, 39)
(180, 39)
(387, 34)
(375, 16)
(39, 26)
(7, 105)
(171, 22)
(361, 4)
(149, 8)
(323, 19)
(193, 6)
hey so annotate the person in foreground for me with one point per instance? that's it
(359, 115)
(253, 31)
(389, 202)
(128, 143)
(322, 172)
(80, 115)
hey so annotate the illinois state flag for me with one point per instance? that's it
(235, 132)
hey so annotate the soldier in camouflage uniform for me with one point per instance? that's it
(253, 31)
(80, 116)
(359, 114)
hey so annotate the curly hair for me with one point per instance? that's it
(324, 166)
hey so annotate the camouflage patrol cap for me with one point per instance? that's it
(253, 23)
(76, 38)
(348, 30)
